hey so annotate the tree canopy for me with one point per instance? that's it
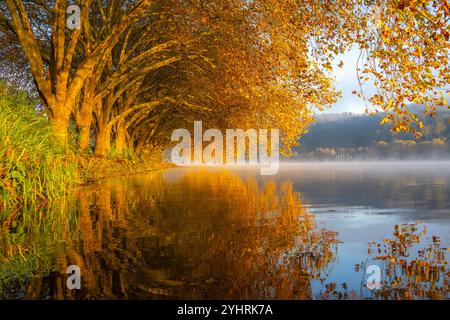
(136, 70)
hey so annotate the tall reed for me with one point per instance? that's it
(33, 167)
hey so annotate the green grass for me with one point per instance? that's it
(33, 167)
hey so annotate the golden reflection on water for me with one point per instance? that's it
(209, 235)
(200, 235)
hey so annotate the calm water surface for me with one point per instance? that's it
(309, 232)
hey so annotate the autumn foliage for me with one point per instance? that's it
(136, 70)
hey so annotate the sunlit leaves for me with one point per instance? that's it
(407, 57)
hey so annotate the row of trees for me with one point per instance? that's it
(137, 69)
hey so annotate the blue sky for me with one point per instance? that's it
(347, 81)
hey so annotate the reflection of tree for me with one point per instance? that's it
(31, 246)
(209, 235)
(412, 270)
(269, 247)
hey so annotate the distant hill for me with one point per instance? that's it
(352, 136)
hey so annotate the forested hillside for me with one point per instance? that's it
(349, 136)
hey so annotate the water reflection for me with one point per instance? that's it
(33, 243)
(412, 268)
(205, 235)
(211, 234)
(420, 187)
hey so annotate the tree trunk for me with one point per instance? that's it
(84, 120)
(103, 141)
(60, 126)
(85, 114)
(84, 137)
(120, 137)
(139, 146)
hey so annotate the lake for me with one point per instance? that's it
(313, 231)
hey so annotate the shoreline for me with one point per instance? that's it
(94, 169)
(90, 170)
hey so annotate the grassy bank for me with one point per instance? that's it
(35, 169)
(92, 168)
